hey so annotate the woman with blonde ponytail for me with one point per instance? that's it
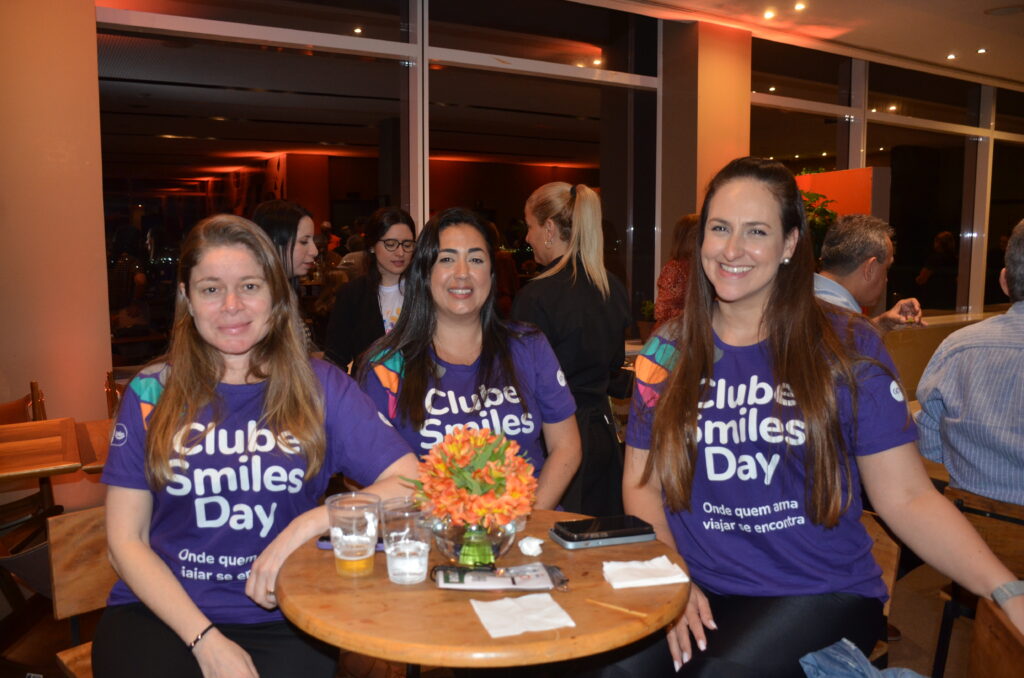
(220, 454)
(584, 311)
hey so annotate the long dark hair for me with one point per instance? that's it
(805, 351)
(379, 223)
(280, 220)
(413, 335)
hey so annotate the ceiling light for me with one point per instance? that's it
(580, 64)
(950, 56)
(769, 14)
(771, 157)
(218, 118)
(982, 50)
(823, 154)
(797, 155)
(892, 107)
(771, 89)
(357, 30)
(799, 6)
(881, 148)
(597, 62)
(874, 110)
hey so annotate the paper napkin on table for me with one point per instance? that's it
(512, 616)
(654, 572)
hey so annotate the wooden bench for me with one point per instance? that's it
(81, 577)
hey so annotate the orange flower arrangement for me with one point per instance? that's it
(474, 477)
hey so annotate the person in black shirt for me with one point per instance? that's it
(584, 311)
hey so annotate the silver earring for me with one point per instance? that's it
(785, 261)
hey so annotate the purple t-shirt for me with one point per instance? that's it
(237, 488)
(747, 531)
(457, 399)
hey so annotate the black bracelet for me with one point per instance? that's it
(202, 633)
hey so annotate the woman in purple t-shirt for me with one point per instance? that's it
(221, 451)
(756, 416)
(451, 360)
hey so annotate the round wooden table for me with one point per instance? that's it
(422, 624)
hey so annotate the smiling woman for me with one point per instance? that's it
(451, 360)
(229, 441)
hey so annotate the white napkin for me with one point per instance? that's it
(654, 572)
(530, 546)
(512, 616)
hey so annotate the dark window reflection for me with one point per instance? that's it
(798, 72)
(1006, 209)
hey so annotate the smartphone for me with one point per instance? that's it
(603, 531)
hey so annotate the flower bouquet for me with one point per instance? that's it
(477, 485)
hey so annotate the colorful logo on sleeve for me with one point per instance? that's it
(148, 387)
(389, 373)
(653, 365)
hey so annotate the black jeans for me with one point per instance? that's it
(132, 641)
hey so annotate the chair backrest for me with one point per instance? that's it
(93, 443)
(29, 407)
(999, 523)
(80, 573)
(997, 647)
(39, 448)
(886, 551)
(15, 411)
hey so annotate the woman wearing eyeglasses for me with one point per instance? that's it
(368, 307)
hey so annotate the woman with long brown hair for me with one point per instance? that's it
(221, 451)
(757, 415)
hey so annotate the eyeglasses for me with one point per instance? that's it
(391, 244)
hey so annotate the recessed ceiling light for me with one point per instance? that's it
(874, 110)
(771, 89)
(982, 50)
(357, 30)
(881, 148)
(799, 6)
(771, 157)
(892, 107)
(823, 154)
(950, 56)
(769, 14)
(1005, 11)
(597, 62)
(580, 64)
(797, 155)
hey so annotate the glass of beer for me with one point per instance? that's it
(355, 517)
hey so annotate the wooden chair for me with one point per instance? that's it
(997, 647)
(113, 391)
(81, 577)
(30, 407)
(886, 551)
(93, 443)
(1001, 525)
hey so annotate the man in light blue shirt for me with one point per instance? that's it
(855, 261)
(972, 396)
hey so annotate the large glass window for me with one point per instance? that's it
(379, 19)
(494, 138)
(922, 95)
(546, 30)
(798, 72)
(804, 142)
(1006, 209)
(1010, 110)
(925, 209)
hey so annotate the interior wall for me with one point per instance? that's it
(52, 254)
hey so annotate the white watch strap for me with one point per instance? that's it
(1008, 590)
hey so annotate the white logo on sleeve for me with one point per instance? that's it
(560, 376)
(895, 391)
(119, 436)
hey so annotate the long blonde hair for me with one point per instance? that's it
(576, 211)
(293, 401)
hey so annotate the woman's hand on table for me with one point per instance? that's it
(220, 657)
(263, 575)
(695, 618)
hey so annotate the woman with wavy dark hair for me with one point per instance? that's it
(451, 360)
(757, 416)
(224, 449)
(368, 307)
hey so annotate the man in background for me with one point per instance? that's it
(855, 261)
(972, 395)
